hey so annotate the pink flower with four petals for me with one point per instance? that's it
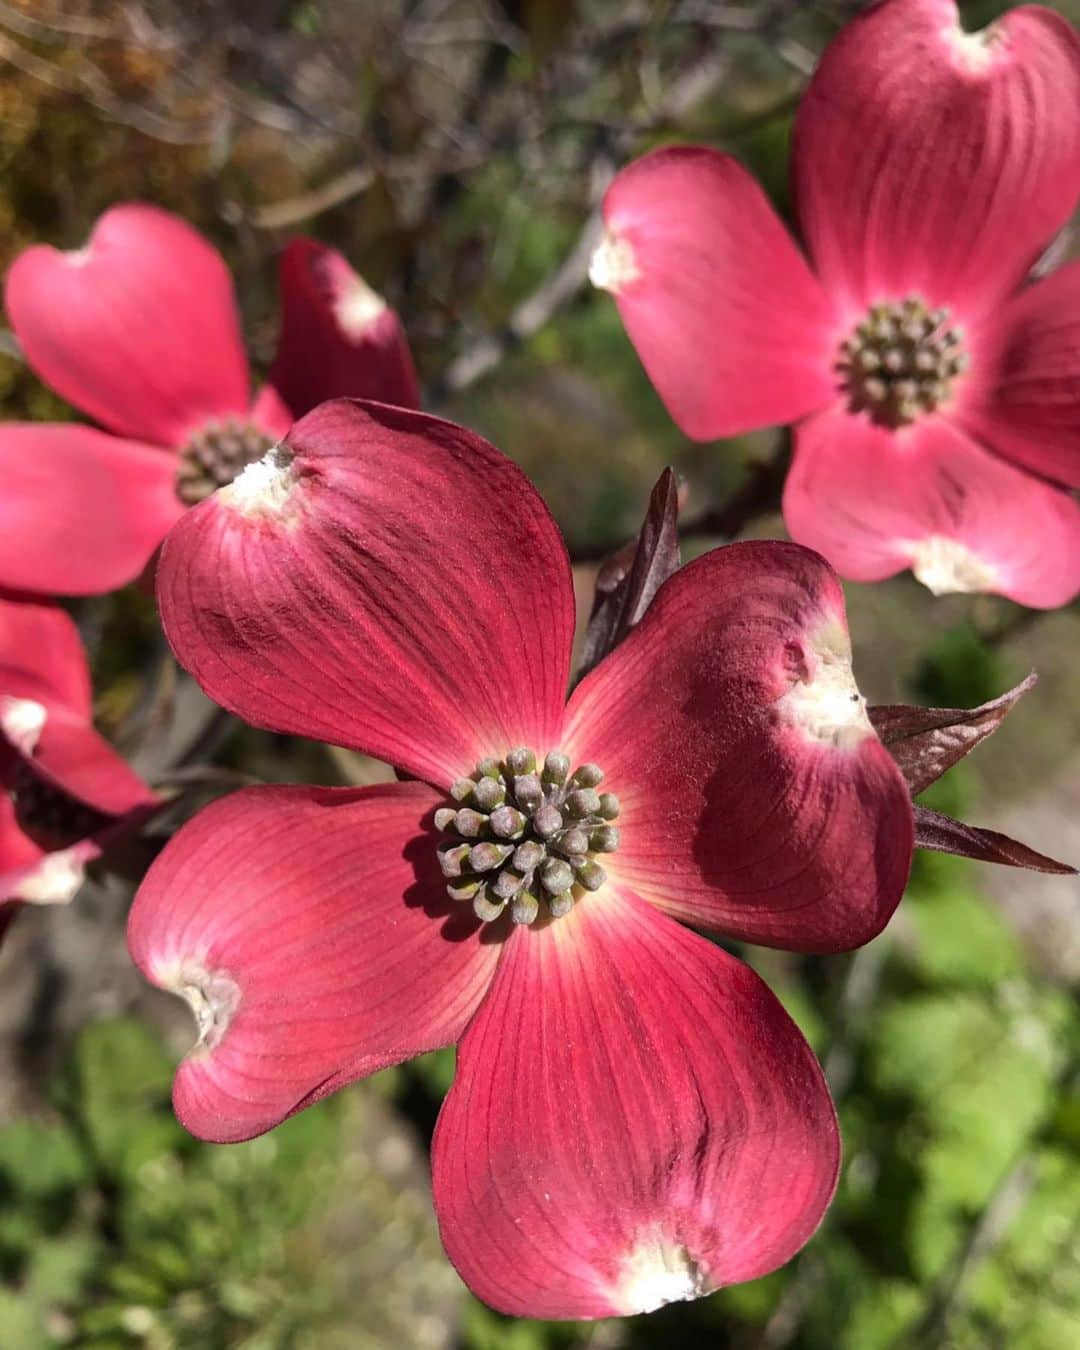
(140, 330)
(936, 397)
(634, 1119)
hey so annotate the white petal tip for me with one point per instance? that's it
(212, 995)
(613, 265)
(54, 881)
(22, 721)
(947, 567)
(974, 53)
(264, 486)
(357, 307)
(655, 1274)
(824, 702)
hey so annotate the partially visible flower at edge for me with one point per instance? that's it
(634, 1118)
(65, 794)
(936, 399)
(140, 330)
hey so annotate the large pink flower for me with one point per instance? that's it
(937, 399)
(634, 1118)
(140, 330)
(64, 792)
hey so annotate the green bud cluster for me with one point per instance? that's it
(521, 837)
(901, 362)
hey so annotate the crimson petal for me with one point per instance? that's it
(875, 501)
(386, 581)
(1029, 410)
(635, 1120)
(138, 328)
(309, 930)
(935, 161)
(338, 337)
(756, 798)
(41, 655)
(729, 322)
(82, 512)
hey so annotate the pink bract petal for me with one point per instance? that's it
(756, 798)
(635, 1120)
(269, 413)
(875, 501)
(71, 756)
(41, 655)
(935, 161)
(338, 337)
(81, 511)
(138, 328)
(35, 875)
(1030, 405)
(309, 930)
(731, 326)
(388, 581)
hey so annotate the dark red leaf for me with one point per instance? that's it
(941, 833)
(927, 741)
(629, 579)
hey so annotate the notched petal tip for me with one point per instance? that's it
(22, 721)
(263, 487)
(55, 880)
(657, 1272)
(974, 53)
(824, 702)
(613, 264)
(212, 995)
(357, 306)
(947, 567)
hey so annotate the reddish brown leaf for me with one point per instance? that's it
(925, 742)
(939, 832)
(629, 579)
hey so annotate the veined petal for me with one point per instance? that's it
(1029, 409)
(82, 511)
(71, 756)
(927, 497)
(138, 328)
(339, 338)
(756, 797)
(386, 581)
(935, 161)
(309, 931)
(635, 1120)
(41, 655)
(730, 324)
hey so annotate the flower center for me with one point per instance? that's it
(901, 361)
(51, 818)
(525, 838)
(215, 455)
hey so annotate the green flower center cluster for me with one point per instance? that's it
(901, 362)
(216, 455)
(522, 839)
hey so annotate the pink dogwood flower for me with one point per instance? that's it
(140, 330)
(634, 1118)
(936, 397)
(65, 792)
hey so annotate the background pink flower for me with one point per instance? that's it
(937, 401)
(66, 792)
(139, 329)
(634, 1119)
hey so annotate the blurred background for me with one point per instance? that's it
(455, 150)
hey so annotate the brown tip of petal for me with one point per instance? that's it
(263, 487)
(824, 702)
(656, 1273)
(213, 997)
